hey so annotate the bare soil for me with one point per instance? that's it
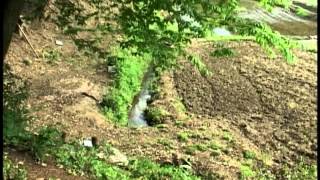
(271, 102)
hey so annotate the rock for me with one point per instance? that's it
(59, 43)
(87, 143)
(111, 69)
(27, 61)
(118, 158)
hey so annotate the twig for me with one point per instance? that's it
(28, 41)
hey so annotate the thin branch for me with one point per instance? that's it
(28, 41)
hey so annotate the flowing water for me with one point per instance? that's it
(136, 115)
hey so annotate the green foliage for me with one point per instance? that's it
(130, 71)
(80, 160)
(192, 149)
(227, 136)
(15, 114)
(249, 155)
(196, 62)
(301, 12)
(46, 141)
(269, 4)
(12, 171)
(51, 55)
(301, 171)
(214, 146)
(155, 115)
(222, 52)
(267, 38)
(246, 172)
(183, 136)
(150, 170)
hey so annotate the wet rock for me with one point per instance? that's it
(118, 158)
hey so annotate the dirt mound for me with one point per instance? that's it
(272, 102)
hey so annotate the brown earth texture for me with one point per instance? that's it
(250, 103)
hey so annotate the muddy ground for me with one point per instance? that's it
(271, 102)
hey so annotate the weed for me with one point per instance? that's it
(191, 150)
(249, 155)
(200, 66)
(223, 52)
(155, 115)
(301, 171)
(51, 55)
(47, 140)
(301, 12)
(183, 136)
(196, 147)
(150, 170)
(215, 153)
(12, 171)
(214, 146)
(227, 136)
(165, 142)
(246, 172)
(15, 114)
(269, 4)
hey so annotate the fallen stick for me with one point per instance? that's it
(28, 41)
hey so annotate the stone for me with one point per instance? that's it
(87, 143)
(118, 158)
(59, 43)
(111, 69)
(27, 61)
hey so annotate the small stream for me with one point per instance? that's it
(136, 114)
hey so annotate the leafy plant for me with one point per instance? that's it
(246, 172)
(155, 115)
(15, 114)
(150, 170)
(46, 142)
(249, 155)
(196, 61)
(52, 55)
(269, 4)
(301, 171)
(183, 136)
(267, 38)
(227, 136)
(12, 171)
(301, 12)
(222, 52)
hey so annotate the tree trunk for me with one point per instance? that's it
(11, 12)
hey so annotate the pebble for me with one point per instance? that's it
(59, 43)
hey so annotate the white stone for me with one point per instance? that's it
(59, 43)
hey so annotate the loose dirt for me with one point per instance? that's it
(271, 102)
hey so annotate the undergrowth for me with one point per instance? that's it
(270, 4)
(268, 39)
(13, 171)
(130, 69)
(199, 65)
